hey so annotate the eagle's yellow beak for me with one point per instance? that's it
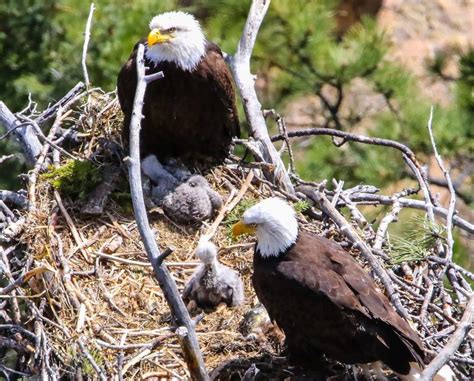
(155, 37)
(240, 228)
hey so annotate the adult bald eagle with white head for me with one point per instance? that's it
(191, 113)
(324, 301)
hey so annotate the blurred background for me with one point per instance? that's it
(370, 66)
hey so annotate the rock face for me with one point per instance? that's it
(212, 283)
(185, 198)
(350, 12)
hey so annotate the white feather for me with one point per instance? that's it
(277, 227)
(187, 47)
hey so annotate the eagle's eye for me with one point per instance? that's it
(170, 30)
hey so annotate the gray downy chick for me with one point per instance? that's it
(178, 169)
(164, 180)
(192, 201)
(212, 283)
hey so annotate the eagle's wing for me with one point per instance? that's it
(365, 289)
(332, 271)
(220, 74)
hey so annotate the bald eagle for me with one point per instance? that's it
(322, 298)
(191, 113)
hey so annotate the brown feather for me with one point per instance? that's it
(326, 303)
(188, 115)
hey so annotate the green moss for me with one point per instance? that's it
(123, 200)
(87, 367)
(75, 178)
(301, 206)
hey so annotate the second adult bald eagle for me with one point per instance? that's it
(191, 113)
(322, 298)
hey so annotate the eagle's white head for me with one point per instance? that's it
(206, 251)
(176, 37)
(274, 223)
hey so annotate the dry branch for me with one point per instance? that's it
(464, 326)
(373, 199)
(64, 103)
(240, 65)
(87, 36)
(24, 133)
(189, 343)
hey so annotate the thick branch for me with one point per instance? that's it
(240, 66)
(189, 344)
(24, 133)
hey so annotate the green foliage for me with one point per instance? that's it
(417, 242)
(297, 52)
(301, 206)
(26, 44)
(75, 178)
(465, 83)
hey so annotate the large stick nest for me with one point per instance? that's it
(95, 288)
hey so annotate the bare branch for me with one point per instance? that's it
(25, 134)
(64, 103)
(91, 360)
(189, 344)
(245, 81)
(87, 36)
(443, 356)
(371, 199)
(452, 192)
(6, 157)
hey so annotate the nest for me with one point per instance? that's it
(96, 287)
(96, 293)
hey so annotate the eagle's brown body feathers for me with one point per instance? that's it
(326, 303)
(189, 115)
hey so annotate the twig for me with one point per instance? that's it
(6, 157)
(77, 238)
(443, 261)
(87, 36)
(387, 220)
(91, 360)
(284, 132)
(120, 358)
(240, 66)
(452, 192)
(414, 204)
(189, 345)
(64, 103)
(230, 204)
(453, 343)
